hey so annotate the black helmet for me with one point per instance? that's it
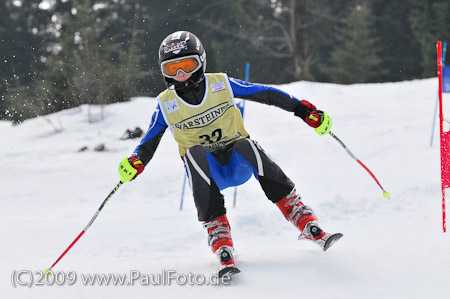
(182, 51)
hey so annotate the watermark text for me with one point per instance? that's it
(28, 278)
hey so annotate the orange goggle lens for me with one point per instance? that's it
(187, 65)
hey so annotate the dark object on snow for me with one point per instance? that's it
(99, 148)
(83, 149)
(137, 133)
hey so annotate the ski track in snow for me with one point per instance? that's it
(390, 249)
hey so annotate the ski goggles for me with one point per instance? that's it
(186, 64)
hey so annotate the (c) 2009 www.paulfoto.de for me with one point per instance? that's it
(29, 278)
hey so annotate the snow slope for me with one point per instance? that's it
(390, 249)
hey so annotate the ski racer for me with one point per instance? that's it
(200, 111)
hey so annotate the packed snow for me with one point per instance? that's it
(391, 248)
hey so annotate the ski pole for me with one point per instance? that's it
(48, 270)
(386, 194)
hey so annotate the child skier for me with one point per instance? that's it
(200, 111)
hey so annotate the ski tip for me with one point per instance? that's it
(331, 240)
(228, 271)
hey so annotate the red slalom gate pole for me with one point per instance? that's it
(444, 139)
(48, 270)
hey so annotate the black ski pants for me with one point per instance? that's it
(204, 169)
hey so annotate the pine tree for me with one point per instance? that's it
(355, 58)
(400, 51)
(22, 30)
(430, 21)
(92, 61)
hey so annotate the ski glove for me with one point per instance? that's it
(130, 168)
(314, 118)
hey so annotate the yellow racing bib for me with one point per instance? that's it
(214, 123)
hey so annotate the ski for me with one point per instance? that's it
(228, 267)
(325, 240)
(228, 271)
(331, 240)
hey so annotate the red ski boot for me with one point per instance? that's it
(304, 219)
(219, 238)
(314, 233)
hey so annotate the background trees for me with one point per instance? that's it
(56, 54)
